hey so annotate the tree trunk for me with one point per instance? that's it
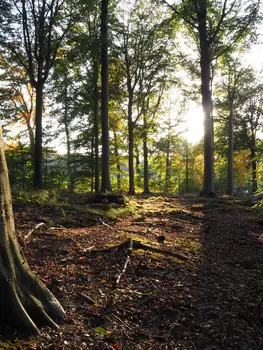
(254, 164)
(205, 64)
(230, 151)
(92, 164)
(31, 139)
(96, 124)
(186, 167)
(146, 189)
(68, 144)
(25, 303)
(167, 161)
(117, 157)
(131, 146)
(38, 155)
(105, 175)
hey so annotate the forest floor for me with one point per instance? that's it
(210, 296)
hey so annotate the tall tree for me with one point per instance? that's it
(43, 26)
(249, 122)
(216, 26)
(229, 87)
(105, 175)
(144, 58)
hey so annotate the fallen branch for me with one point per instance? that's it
(89, 299)
(41, 224)
(80, 255)
(125, 245)
(139, 245)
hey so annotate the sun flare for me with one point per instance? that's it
(194, 123)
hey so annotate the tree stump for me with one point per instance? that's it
(25, 303)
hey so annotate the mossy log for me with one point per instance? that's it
(25, 303)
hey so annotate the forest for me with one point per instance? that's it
(131, 174)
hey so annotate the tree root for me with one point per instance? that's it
(126, 245)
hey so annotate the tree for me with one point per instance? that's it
(105, 175)
(216, 26)
(232, 77)
(248, 123)
(25, 303)
(43, 27)
(144, 58)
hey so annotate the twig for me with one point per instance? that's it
(129, 251)
(121, 321)
(89, 299)
(106, 225)
(34, 229)
(83, 253)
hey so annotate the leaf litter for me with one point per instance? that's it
(210, 300)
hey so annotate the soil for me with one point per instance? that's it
(211, 299)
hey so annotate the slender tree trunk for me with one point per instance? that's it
(25, 303)
(205, 63)
(254, 164)
(146, 189)
(105, 176)
(96, 124)
(186, 167)
(167, 161)
(131, 146)
(118, 164)
(68, 143)
(92, 164)
(38, 156)
(31, 139)
(230, 160)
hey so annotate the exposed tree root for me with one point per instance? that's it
(127, 245)
(25, 303)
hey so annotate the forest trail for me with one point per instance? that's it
(210, 300)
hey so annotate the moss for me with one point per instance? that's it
(20, 344)
(189, 246)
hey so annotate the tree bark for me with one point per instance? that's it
(131, 146)
(117, 157)
(105, 175)
(186, 167)
(205, 64)
(25, 303)
(230, 160)
(254, 164)
(146, 189)
(38, 156)
(167, 160)
(96, 124)
(68, 144)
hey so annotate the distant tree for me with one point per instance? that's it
(216, 27)
(233, 76)
(249, 122)
(105, 175)
(144, 58)
(37, 31)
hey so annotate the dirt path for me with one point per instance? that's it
(211, 300)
